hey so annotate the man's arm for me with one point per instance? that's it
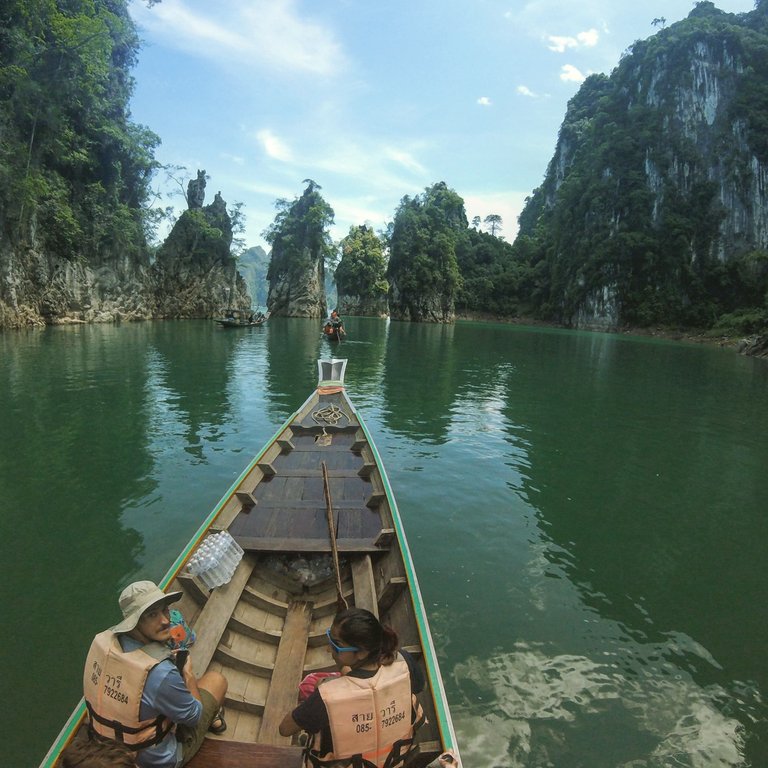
(178, 696)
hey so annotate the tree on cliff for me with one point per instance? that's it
(494, 221)
(423, 272)
(300, 243)
(73, 169)
(361, 273)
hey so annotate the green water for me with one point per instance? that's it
(586, 512)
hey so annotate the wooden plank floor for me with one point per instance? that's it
(292, 505)
(289, 670)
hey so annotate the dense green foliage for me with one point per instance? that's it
(422, 244)
(73, 168)
(631, 203)
(493, 277)
(362, 270)
(299, 234)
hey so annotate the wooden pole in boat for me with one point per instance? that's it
(342, 603)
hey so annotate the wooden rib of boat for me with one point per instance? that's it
(265, 629)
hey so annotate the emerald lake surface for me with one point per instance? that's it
(587, 513)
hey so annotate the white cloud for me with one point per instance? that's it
(570, 74)
(524, 90)
(560, 44)
(405, 159)
(267, 33)
(589, 38)
(484, 101)
(274, 146)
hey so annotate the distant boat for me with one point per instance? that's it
(334, 331)
(318, 523)
(241, 318)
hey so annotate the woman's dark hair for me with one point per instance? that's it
(361, 628)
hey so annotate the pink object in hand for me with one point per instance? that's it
(311, 681)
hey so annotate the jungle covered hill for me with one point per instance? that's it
(654, 207)
(75, 173)
(652, 214)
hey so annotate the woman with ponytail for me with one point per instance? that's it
(367, 715)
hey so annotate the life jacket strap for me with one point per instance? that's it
(159, 724)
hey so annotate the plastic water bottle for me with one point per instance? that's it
(209, 574)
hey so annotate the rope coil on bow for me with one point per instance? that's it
(330, 415)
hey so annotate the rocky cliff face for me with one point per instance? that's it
(194, 275)
(37, 288)
(433, 307)
(659, 178)
(299, 241)
(302, 294)
(362, 306)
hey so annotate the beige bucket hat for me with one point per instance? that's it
(137, 598)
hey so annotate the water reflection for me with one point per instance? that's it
(585, 513)
(293, 347)
(420, 380)
(633, 711)
(190, 379)
(72, 413)
(638, 499)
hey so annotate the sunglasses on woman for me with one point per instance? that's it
(339, 648)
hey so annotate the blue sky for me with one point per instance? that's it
(374, 99)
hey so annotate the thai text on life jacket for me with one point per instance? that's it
(372, 720)
(113, 681)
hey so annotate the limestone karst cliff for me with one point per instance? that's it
(654, 207)
(361, 274)
(195, 274)
(76, 181)
(300, 241)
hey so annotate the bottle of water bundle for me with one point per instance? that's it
(215, 560)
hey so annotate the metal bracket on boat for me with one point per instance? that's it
(331, 372)
(323, 438)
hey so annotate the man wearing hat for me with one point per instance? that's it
(135, 694)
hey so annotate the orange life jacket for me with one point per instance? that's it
(372, 720)
(113, 681)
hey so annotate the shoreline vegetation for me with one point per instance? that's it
(753, 345)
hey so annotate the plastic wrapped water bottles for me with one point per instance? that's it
(215, 560)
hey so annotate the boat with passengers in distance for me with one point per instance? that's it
(241, 318)
(315, 528)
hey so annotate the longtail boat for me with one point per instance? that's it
(241, 318)
(318, 524)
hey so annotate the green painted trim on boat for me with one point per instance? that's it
(64, 736)
(441, 703)
(206, 524)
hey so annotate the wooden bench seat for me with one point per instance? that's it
(214, 616)
(307, 473)
(276, 544)
(217, 753)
